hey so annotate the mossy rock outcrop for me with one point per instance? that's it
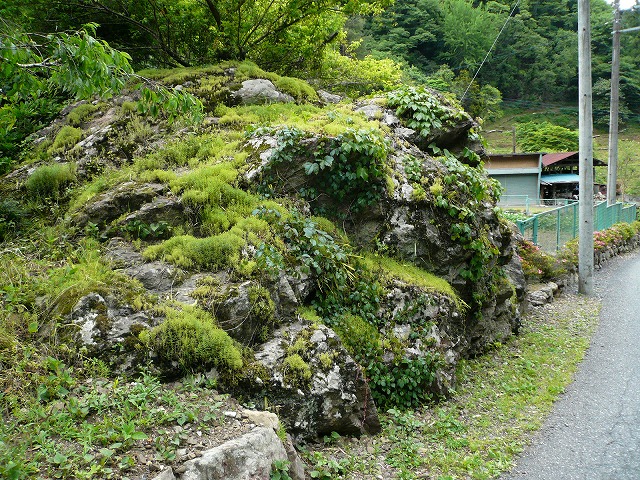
(294, 263)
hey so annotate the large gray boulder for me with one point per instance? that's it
(450, 136)
(100, 323)
(424, 322)
(260, 91)
(249, 457)
(426, 216)
(249, 311)
(246, 458)
(125, 198)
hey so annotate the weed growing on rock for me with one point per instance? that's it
(296, 371)
(347, 169)
(280, 470)
(423, 110)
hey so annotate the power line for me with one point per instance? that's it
(491, 48)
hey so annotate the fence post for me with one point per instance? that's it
(535, 230)
(558, 228)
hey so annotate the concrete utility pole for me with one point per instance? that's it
(585, 126)
(612, 177)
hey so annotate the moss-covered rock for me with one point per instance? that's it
(318, 388)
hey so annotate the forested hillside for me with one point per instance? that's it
(533, 62)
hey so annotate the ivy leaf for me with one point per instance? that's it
(310, 168)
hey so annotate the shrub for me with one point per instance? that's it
(47, 181)
(191, 338)
(538, 265)
(423, 110)
(603, 239)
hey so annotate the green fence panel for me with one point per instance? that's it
(552, 229)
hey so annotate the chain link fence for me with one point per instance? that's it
(552, 229)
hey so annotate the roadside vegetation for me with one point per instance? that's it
(502, 398)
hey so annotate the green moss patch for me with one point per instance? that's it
(190, 337)
(66, 138)
(389, 268)
(80, 113)
(296, 371)
(48, 181)
(213, 84)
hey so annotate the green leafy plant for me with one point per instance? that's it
(423, 110)
(139, 229)
(405, 383)
(346, 168)
(349, 167)
(280, 470)
(324, 468)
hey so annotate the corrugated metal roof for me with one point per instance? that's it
(551, 158)
(560, 178)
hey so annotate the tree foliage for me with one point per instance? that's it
(546, 137)
(38, 72)
(534, 59)
(277, 34)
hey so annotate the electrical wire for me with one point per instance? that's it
(491, 48)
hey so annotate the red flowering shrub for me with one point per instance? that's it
(603, 239)
(538, 265)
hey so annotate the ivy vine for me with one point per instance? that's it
(346, 168)
(422, 110)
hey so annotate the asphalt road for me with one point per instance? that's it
(593, 432)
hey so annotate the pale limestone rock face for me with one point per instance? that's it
(101, 323)
(335, 398)
(248, 457)
(260, 91)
